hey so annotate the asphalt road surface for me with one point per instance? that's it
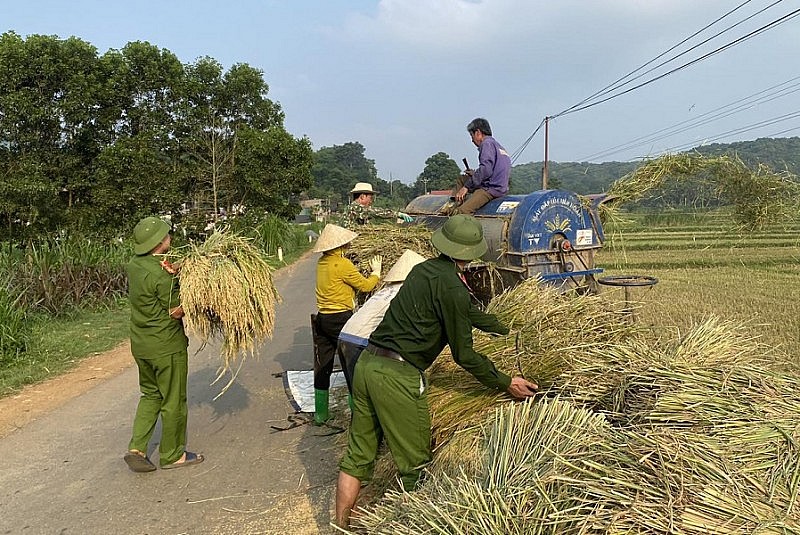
(64, 474)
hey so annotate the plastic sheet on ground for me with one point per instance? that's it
(299, 386)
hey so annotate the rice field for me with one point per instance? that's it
(711, 267)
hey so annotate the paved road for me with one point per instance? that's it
(64, 473)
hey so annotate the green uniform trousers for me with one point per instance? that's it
(162, 382)
(389, 399)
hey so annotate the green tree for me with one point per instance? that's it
(272, 168)
(97, 141)
(440, 173)
(392, 194)
(338, 168)
(134, 178)
(47, 116)
(219, 106)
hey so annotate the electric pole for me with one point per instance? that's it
(546, 150)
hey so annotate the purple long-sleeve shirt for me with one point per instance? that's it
(494, 168)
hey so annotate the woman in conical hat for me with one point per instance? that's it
(337, 282)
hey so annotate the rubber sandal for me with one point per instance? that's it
(138, 462)
(191, 458)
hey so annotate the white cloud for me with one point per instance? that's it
(438, 25)
(448, 24)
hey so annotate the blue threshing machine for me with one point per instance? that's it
(550, 234)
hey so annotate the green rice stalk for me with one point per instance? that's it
(550, 334)
(553, 468)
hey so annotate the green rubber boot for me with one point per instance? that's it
(320, 406)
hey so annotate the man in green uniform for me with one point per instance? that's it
(361, 212)
(431, 310)
(159, 346)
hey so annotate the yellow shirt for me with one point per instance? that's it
(337, 282)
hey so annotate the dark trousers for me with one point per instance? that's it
(325, 329)
(348, 356)
(474, 200)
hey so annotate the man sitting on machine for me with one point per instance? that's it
(490, 180)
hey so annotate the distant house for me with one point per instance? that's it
(304, 216)
(313, 210)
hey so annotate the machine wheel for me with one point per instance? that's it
(628, 280)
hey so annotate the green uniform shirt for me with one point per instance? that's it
(431, 310)
(356, 214)
(152, 293)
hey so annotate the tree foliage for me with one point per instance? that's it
(96, 141)
(440, 173)
(338, 168)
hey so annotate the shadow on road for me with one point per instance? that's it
(202, 392)
(317, 448)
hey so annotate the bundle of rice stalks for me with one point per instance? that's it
(390, 242)
(494, 492)
(553, 468)
(713, 387)
(227, 292)
(551, 334)
(758, 196)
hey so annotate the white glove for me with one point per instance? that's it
(375, 264)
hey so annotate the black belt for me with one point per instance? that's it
(383, 352)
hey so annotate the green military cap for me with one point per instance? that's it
(148, 233)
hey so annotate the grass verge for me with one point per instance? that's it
(58, 344)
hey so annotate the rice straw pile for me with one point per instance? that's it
(693, 434)
(554, 468)
(759, 196)
(390, 242)
(551, 334)
(227, 292)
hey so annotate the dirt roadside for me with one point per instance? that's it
(18, 410)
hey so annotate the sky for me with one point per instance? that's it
(404, 77)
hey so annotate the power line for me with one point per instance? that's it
(517, 153)
(753, 126)
(784, 131)
(743, 104)
(726, 46)
(616, 84)
(585, 103)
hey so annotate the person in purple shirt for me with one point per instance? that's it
(490, 180)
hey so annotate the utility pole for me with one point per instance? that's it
(425, 182)
(546, 150)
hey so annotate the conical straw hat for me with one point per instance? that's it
(402, 267)
(333, 236)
